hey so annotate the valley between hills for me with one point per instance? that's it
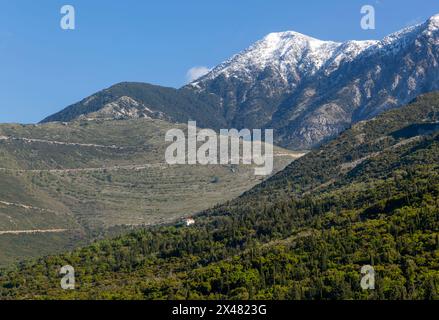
(368, 197)
(89, 186)
(64, 184)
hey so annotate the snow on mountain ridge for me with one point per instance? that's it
(287, 51)
(296, 55)
(347, 52)
(308, 89)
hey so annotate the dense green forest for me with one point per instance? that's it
(369, 197)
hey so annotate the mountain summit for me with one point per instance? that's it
(308, 90)
(291, 54)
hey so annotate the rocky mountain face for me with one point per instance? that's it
(253, 84)
(309, 90)
(129, 100)
(306, 89)
(124, 108)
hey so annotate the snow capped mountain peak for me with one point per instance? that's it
(280, 38)
(286, 49)
(291, 54)
(281, 51)
(312, 89)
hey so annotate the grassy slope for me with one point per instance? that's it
(368, 197)
(98, 175)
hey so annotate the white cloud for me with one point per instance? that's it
(196, 73)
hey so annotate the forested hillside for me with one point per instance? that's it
(369, 197)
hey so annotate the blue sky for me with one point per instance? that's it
(44, 68)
